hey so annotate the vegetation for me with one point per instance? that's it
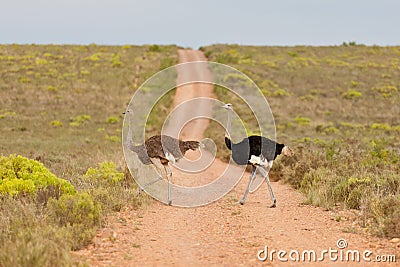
(340, 113)
(22, 176)
(61, 163)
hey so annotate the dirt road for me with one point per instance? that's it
(225, 233)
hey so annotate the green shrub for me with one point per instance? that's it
(166, 62)
(280, 92)
(230, 56)
(19, 175)
(379, 152)
(112, 120)
(41, 61)
(154, 48)
(318, 187)
(94, 58)
(327, 129)
(331, 130)
(105, 172)
(7, 114)
(52, 88)
(338, 180)
(38, 246)
(380, 126)
(237, 79)
(352, 190)
(56, 123)
(27, 238)
(352, 94)
(324, 187)
(302, 120)
(112, 198)
(79, 214)
(116, 61)
(79, 120)
(386, 90)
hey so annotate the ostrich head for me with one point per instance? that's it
(287, 151)
(228, 106)
(129, 137)
(128, 111)
(281, 149)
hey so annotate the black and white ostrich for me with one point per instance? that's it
(257, 151)
(159, 150)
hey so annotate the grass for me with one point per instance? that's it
(62, 106)
(338, 108)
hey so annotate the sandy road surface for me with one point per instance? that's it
(224, 233)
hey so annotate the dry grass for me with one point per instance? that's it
(62, 105)
(338, 107)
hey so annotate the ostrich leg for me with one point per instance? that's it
(265, 174)
(253, 174)
(159, 169)
(169, 175)
(149, 183)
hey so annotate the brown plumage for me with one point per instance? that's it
(158, 145)
(159, 150)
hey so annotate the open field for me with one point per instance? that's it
(62, 105)
(338, 107)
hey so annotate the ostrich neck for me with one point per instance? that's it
(228, 126)
(129, 138)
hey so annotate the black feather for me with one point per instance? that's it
(228, 143)
(254, 145)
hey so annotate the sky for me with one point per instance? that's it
(199, 23)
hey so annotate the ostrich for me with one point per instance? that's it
(159, 150)
(257, 151)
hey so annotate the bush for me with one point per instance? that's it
(22, 176)
(280, 92)
(79, 214)
(386, 215)
(154, 48)
(386, 90)
(302, 120)
(106, 172)
(337, 179)
(352, 94)
(318, 185)
(36, 247)
(380, 126)
(79, 120)
(56, 123)
(26, 237)
(112, 120)
(110, 187)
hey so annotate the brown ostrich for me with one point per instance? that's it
(159, 150)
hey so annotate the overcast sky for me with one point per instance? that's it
(202, 22)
